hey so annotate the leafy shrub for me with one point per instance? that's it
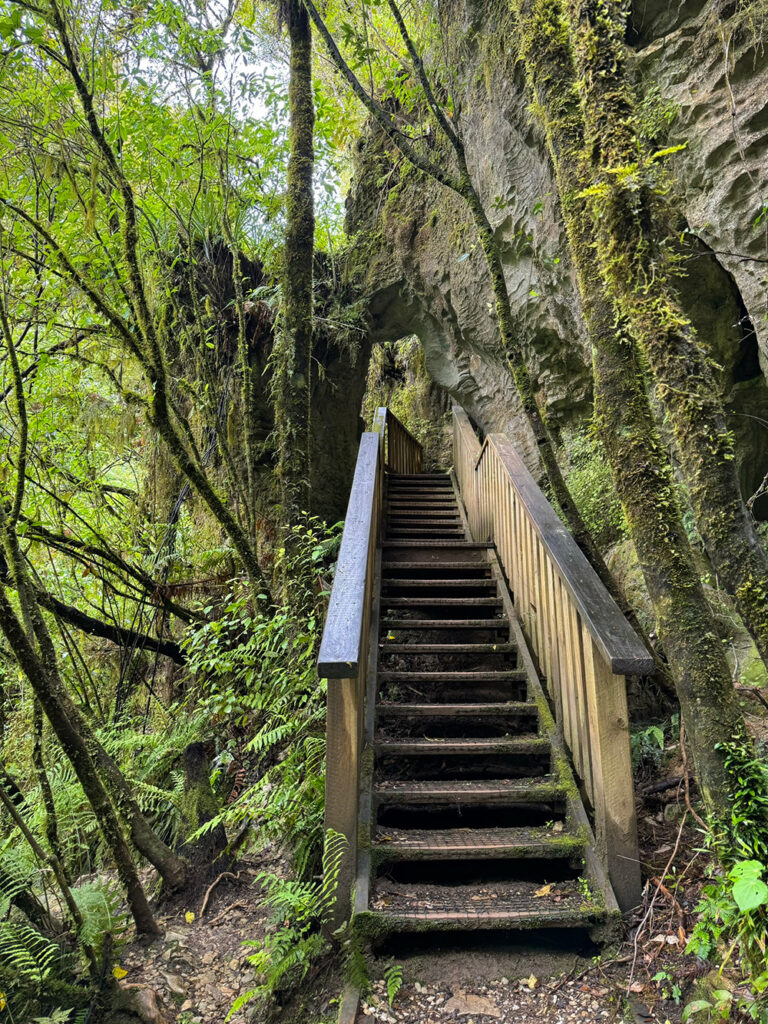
(733, 921)
(589, 479)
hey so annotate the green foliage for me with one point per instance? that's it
(393, 976)
(588, 475)
(398, 379)
(733, 913)
(647, 746)
(300, 908)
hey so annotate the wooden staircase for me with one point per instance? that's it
(450, 765)
(469, 811)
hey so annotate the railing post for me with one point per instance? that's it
(614, 799)
(342, 772)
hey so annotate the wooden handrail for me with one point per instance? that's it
(343, 659)
(401, 452)
(341, 646)
(583, 644)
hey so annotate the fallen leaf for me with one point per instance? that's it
(545, 890)
(189, 917)
(673, 940)
(531, 982)
(637, 986)
(119, 972)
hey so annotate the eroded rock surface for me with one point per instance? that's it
(425, 273)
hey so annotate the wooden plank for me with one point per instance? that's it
(556, 678)
(569, 698)
(614, 802)
(340, 648)
(615, 638)
(582, 713)
(343, 728)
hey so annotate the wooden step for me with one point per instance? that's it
(448, 545)
(495, 623)
(474, 843)
(515, 904)
(416, 532)
(466, 792)
(452, 566)
(509, 676)
(420, 516)
(441, 602)
(394, 648)
(466, 747)
(423, 584)
(495, 710)
(419, 476)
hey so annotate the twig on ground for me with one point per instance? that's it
(223, 914)
(753, 690)
(646, 915)
(659, 787)
(212, 886)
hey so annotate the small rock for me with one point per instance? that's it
(187, 1005)
(209, 957)
(175, 984)
(172, 936)
(673, 812)
(234, 964)
(462, 1003)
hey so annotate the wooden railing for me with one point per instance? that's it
(583, 643)
(402, 452)
(348, 650)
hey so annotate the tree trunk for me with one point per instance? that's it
(634, 257)
(38, 672)
(639, 463)
(199, 805)
(294, 405)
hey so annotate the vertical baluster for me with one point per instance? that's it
(569, 698)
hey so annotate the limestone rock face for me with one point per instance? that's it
(425, 273)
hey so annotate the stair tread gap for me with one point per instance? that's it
(460, 710)
(390, 648)
(494, 623)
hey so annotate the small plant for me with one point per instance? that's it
(668, 986)
(301, 910)
(733, 913)
(647, 746)
(393, 976)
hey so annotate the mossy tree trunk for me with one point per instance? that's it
(637, 264)
(639, 461)
(293, 364)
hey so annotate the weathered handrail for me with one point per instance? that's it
(402, 453)
(346, 643)
(583, 643)
(343, 659)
